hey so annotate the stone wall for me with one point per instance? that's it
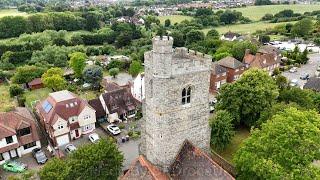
(167, 122)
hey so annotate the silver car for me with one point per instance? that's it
(39, 155)
(70, 148)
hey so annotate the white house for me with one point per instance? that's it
(230, 36)
(137, 87)
(65, 117)
(18, 134)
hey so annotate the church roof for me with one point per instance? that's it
(192, 163)
(142, 169)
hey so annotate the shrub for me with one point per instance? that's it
(21, 100)
(15, 90)
(121, 126)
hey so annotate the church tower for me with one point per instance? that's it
(176, 105)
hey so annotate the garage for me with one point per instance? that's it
(62, 140)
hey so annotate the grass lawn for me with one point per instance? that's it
(245, 28)
(35, 95)
(174, 18)
(240, 136)
(88, 95)
(256, 12)
(11, 12)
(6, 103)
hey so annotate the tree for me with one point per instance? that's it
(15, 90)
(262, 2)
(239, 48)
(25, 74)
(281, 81)
(213, 34)
(55, 55)
(54, 169)
(93, 75)
(284, 148)
(303, 97)
(78, 62)
(114, 72)
(302, 28)
(245, 99)
(222, 129)
(194, 36)
(53, 79)
(264, 39)
(230, 17)
(13, 26)
(135, 68)
(267, 17)
(178, 39)
(123, 39)
(167, 23)
(303, 57)
(102, 160)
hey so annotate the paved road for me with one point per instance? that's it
(309, 68)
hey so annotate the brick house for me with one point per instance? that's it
(234, 68)
(218, 76)
(267, 58)
(18, 134)
(65, 116)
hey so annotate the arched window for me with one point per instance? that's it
(186, 95)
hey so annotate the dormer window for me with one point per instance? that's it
(9, 139)
(186, 95)
(71, 104)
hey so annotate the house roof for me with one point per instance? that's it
(267, 49)
(230, 62)
(261, 60)
(63, 104)
(119, 101)
(192, 158)
(217, 69)
(142, 169)
(231, 34)
(313, 83)
(96, 104)
(12, 121)
(36, 81)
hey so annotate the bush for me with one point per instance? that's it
(121, 126)
(21, 100)
(15, 90)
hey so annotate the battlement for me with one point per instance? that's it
(185, 53)
(162, 44)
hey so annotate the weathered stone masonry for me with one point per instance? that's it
(167, 121)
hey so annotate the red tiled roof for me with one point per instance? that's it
(142, 169)
(10, 147)
(36, 81)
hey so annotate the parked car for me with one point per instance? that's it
(113, 129)
(305, 76)
(94, 137)
(70, 148)
(293, 70)
(39, 155)
(293, 83)
(14, 166)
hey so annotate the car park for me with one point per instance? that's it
(113, 129)
(305, 76)
(94, 137)
(14, 166)
(70, 148)
(293, 70)
(39, 155)
(293, 83)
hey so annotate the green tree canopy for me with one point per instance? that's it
(194, 36)
(25, 74)
(78, 62)
(93, 74)
(239, 48)
(213, 34)
(246, 98)
(284, 148)
(135, 68)
(114, 72)
(222, 129)
(53, 79)
(302, 28)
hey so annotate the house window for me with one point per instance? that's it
(132, 112)
(236, 77)
(237, 70)
(87, 117)
(9, 139)
(60, 126)
(87, 127)
(186, 95)
(24, 131)
(1, 157)
(30, 145)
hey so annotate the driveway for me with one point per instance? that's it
(309, 68)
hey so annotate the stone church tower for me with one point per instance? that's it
(176, 104)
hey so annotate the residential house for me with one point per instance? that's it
(137, 87)
(18, 134)
(267, 58)
(234, 68)
(35, 84)
(230, 36)
(313, 83)
(119, 105)
(65, 116)
(218, 76)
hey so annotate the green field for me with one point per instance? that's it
(36, 95)
(11, 12)
(256, 12)
(240, 136)
(174, 18)
(245, 28)
(6, 103)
